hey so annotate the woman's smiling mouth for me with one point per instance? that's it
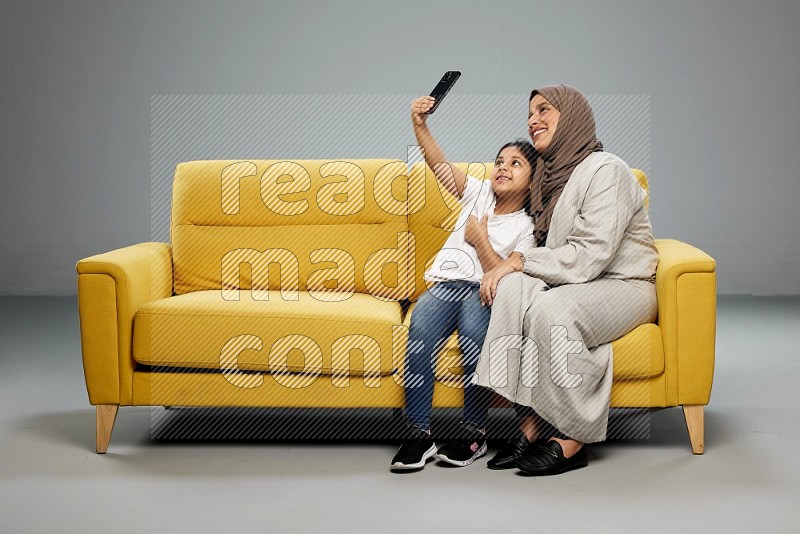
(537, 131)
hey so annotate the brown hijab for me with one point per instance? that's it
(574, 139)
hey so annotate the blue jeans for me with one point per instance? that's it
(441, 310)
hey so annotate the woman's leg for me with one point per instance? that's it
(473, 321)
(500, 362)
(499, 367)
(529, 425)
(529, 422)
(433, 319)
(572, 327)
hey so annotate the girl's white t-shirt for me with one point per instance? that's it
(512, 232)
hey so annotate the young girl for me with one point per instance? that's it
(493, 223)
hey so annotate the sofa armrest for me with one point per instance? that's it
(111, 287)
(686, 284)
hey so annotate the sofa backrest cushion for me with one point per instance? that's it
(294, 225)
(644, 182)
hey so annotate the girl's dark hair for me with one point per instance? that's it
(526, 148)
(529, 153)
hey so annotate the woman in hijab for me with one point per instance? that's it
(557, 307)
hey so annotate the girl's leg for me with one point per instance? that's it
(433, 319)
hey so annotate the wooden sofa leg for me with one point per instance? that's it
(694, 422)
(106, 415)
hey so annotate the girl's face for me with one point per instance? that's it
(511, 173)
(542, 122)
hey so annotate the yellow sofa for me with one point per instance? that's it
(291, 284)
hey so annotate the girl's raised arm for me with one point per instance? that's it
(452, 178)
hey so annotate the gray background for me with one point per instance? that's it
(77, 80)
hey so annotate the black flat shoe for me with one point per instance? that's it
(507, 456)
(548, 459)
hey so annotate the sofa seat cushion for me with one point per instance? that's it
(638, 354)
(202, 330)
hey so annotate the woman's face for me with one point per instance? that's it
(511, 173)
(542, 122)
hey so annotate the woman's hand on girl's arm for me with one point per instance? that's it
(452, 178)
(492, 278)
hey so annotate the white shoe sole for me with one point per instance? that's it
(431, 452)
(463, 463)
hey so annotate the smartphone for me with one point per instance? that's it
(443, 87)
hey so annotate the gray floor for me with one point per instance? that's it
(51, 480)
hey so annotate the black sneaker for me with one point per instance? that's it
(414, 451)
(464, 451)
